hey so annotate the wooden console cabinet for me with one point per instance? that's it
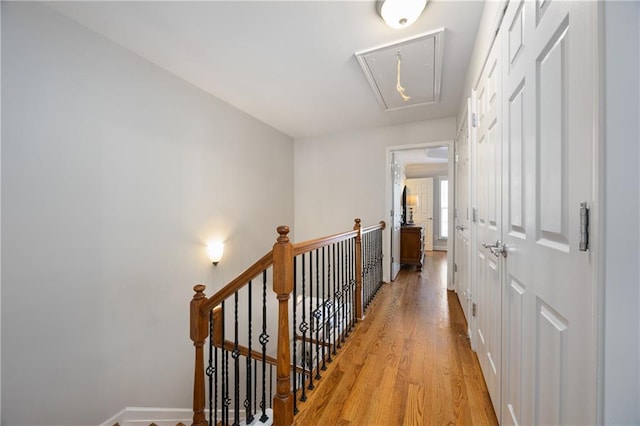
(412, 246)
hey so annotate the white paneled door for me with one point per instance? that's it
(396, 214)
(549, 316)
(489, 265)
(461, 261)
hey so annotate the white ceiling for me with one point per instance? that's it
(290, 64)
(435, 155)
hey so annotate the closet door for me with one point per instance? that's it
(488, 189)
(549, 316)
(462, 169)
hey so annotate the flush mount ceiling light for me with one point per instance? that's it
(400, 13)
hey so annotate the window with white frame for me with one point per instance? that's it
(444, 209)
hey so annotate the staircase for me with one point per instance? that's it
(258, 356)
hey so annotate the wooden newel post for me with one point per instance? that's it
(283, 286)
(359, 296)
(199, 333)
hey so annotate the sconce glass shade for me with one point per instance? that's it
(401, 13)
(215, 251)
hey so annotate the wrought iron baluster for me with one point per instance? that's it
(318, 315)
(345, 291)
(352, 284)
(335, 304)
(303, 330)
(270, 387)
(264, 339)
(380, 257)
(339, 295)
(295, 333)
(236, 364)
(310, 354)
(210, 368)
(225, 373)
(325, 321)
(247, 400)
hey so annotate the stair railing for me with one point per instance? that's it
(332, 280)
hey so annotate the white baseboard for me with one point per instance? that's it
(144, 416)
(138, 416)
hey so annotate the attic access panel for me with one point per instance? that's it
(420, 70)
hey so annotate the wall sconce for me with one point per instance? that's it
(400, 13)
(215, 251)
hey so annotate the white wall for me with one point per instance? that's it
(622, 214)
(114, 176)
(344, 176)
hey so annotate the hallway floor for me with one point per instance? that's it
(408, 362)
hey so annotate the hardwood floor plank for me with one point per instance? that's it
(408, 362)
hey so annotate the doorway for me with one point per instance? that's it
(432, 160)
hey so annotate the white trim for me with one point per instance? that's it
(130, 416)
(139, 416)
(386, 267)
(599, 199)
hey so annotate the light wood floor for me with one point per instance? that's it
(407, 363)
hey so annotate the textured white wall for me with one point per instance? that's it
(344, 176)
(114, 176)
(622, 214)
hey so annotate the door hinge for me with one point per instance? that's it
(474, 309)
(474, 120)
(455, 267)
(474, 215)
(584, 226)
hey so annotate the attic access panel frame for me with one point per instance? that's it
(421, 70)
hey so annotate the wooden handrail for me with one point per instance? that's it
(307, 246)
(380, 225)
(239, 282)
(280, 258)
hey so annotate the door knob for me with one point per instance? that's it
(498, 248)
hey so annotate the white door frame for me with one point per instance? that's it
(386, 270)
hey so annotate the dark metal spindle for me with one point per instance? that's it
(335, 304)
(318, 315)
(264, 339)
(303, 330)
(247, 401)
(339, 295)
(236, 364)
(210, 368)
(324, 312)
(345, 291)
(295, 341)
(225, 373)
(270, 387)
(310, 354)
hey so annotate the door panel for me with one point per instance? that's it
(489, 204)
(396, 214)
(549, 329)
(461, 250)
